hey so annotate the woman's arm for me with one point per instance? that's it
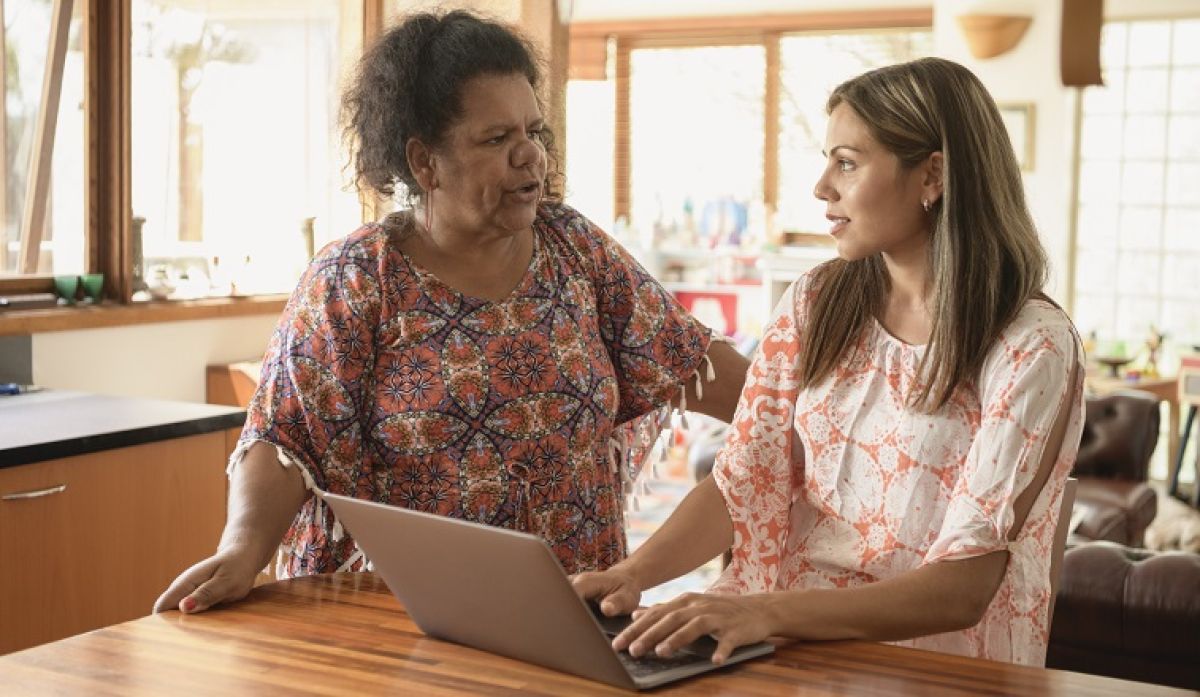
(718, 398)
(264, 497)
(698, 530)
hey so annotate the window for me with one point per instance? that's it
(696, 140)
(236, 166)
(1138, 242)
(42, 230)
(590, 134)
(802, 118)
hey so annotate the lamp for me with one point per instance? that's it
(990, 35)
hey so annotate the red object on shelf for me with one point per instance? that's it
(702, 304)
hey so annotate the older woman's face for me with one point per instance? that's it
(491, 168)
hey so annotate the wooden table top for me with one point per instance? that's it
(346, 634)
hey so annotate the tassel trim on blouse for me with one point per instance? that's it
(277, 568)
(655, 440)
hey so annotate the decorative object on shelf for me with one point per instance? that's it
(991, 35)
(1019, 120)
(135, 243)
(1153, 345)
(67, 288)
(1114, 363)
(93, 286)
(306, 234)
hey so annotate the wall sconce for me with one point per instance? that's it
(990, 35)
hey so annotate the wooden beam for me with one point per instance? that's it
(771, 126)
(372, 26)
(622, 155)
(33, 223)
(3, 145)
(715, 26)
(107, 131)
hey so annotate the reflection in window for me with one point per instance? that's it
(696, 143)
(57, 247)
(1138, 243)
(235, 142)
(811, 66)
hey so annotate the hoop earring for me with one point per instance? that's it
(429, 211)
(926, 205)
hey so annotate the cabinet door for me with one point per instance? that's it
(100, 536)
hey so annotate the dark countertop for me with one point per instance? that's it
(54, 423)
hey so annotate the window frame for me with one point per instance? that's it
(689, 32)
(107, 195)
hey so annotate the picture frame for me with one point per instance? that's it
(1019, 119)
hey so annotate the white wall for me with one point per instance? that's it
(1028, 74)
(163, 361)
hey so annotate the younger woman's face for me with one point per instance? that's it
(873, 203)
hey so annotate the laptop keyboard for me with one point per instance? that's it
(652, 664)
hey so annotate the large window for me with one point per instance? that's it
(1138, 240)
(720, 144)
(802, 118)
(235, 147)
(41, 208)
(696, 124)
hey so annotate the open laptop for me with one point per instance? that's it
(504, 592)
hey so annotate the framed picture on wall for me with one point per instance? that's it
(1019, 120)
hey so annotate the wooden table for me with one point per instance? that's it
(345, 634)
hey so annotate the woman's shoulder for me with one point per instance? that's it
(1040, 325)
(569, 230)
(370, 240)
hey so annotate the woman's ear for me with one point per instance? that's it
(933, 183)
(421, 164)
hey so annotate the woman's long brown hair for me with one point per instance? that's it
(985, 258)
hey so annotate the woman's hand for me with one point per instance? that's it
(733, 620)
(224, 577)
(616, 590)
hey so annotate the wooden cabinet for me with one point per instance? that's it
(91, 540)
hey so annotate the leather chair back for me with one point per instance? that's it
(1120, 431)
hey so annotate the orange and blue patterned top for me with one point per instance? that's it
(842, 484)
(383, 383)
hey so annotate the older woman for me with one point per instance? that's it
(488, 354)
(897, 462)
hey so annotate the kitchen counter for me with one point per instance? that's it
(54, 423)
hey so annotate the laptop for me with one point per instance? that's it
(504, 592)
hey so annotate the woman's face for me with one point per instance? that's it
(873, 202)
(491, 168)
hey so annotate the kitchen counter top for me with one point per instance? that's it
(54, 423)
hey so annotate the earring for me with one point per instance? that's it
(926, 205)
(429, 211)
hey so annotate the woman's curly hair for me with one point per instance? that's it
(409, 84)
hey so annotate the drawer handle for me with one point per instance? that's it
(39, 493)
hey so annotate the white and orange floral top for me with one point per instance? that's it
(883, 489)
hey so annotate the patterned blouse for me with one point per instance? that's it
(383, 383)
(883, 489)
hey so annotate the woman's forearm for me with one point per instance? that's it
(697, 531)
(941, 597)
(264, 497)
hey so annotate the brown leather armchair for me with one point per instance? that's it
(1119, 435)
(1128, 613)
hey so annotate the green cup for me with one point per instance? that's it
(66, 287)
(93, 286)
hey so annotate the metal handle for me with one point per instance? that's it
(37, 494)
